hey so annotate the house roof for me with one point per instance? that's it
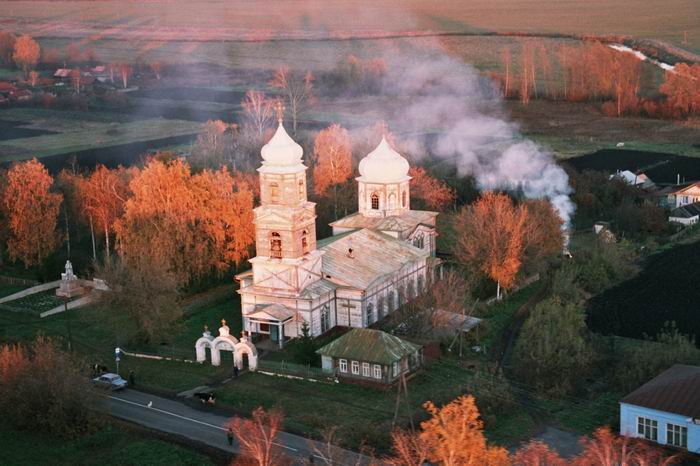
(686, 211)
(374, 256)
(686, 187)
(366, 344)
(272, 312)
(676, 390)
(407, 221)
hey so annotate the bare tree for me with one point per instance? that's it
(257, 438)
(298, 91)
(258, 110)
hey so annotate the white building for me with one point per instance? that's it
(377, 259)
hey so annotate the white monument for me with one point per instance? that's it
(226, 342)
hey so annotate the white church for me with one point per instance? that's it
(377, 258)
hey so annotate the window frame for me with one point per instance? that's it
(377, 371)
(368, 371)
(648, 428)
(343, 365)
(395, 369)
(374, 201)
(681, 434)
(355, 367)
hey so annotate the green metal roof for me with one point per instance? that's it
(365, 344)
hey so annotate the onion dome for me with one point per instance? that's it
(384, 165)
(282, 151)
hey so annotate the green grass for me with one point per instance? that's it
(109, 446)
(6, 289)
(84, 130)
(499, 314)
(583, 416)
(38, 302)
(564, 148)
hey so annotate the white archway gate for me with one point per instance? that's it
(226, 342)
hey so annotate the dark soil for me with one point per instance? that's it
(660, 167)
(666, 290)
(11, 130)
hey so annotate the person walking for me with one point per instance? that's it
(235, 370)
(132, 379)
(229, 436)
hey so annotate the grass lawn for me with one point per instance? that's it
(84, 130)
(583, 416)
(110, 446)
(362, 415)
(6, 289)
(499, 314)
(38, 302)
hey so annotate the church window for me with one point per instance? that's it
(301, 188)
(420, 284)
(380, 307)
(377, 371)
(395, 369)
(355, 365)
(304, 242)
(370, 314)
(375, 201)
(343, 365)
(325, 318)
(393, 300)
(275, 245)
(392, 201)
(274, 191)
(403, 199)
(419, 241)
(365, 369)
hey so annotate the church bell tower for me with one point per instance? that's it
(285, 222)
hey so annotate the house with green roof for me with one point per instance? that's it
(365, 355)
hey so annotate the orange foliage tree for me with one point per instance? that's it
(256, 437)
(543, 237)
(490, 237)
(26, 54)
(297, 89)
(191, 225)
(102, 196)
(333, 161)
(125, 71)
(608, 449)
(537, 453)
(682, 89)
(430, 191)
(409, 449)
(454, 436)
(31, 211)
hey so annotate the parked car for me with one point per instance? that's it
(110, 381)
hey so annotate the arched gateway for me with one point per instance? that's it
(226, 342)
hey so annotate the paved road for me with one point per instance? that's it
(207, 427)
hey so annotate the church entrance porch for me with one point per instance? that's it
(270, 319)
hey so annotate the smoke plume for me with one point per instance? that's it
(463, 113)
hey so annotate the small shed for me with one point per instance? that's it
(370, 356)
(685, 215)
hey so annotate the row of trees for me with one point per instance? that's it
(451, 436)
(595, 72)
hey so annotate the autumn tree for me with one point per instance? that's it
(490, 238)
(298, 91)
(7, 46)
(257, 436)
(553, 349)
(429, 191)
(682, 89)
(125, 71)
(216, 145)
(454, 436)
(43, 389)
(543, 238)
(607, 449)
(192, 225)
(409, 449)
(103, 195)
(258, 111)
(537, 453)
(505, 55)
(31, 211)
(333, 162)
(26, 54)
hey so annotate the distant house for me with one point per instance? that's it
(666, 409)
(602, 229)
(684, 195)
(63, 73)
(371, 356)
(639, 180)
(686, 215)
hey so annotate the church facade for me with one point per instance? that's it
(377, 259)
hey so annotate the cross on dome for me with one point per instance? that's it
(281, 151)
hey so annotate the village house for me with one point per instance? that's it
(685, 215)
(370, 356)
(684, 195)
(665, 410)
(377, 259)
(639, 180)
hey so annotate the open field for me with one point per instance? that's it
(157, 21)
(76, 131)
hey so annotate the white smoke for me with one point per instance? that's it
(464, 111)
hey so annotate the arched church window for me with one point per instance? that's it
(403, 199)
(274, 191)
(325, 318)
(419, 241)
(304, 242)
(381, 312)
(275, 245)
(392, 201)
(370, 314)
(375, 201)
